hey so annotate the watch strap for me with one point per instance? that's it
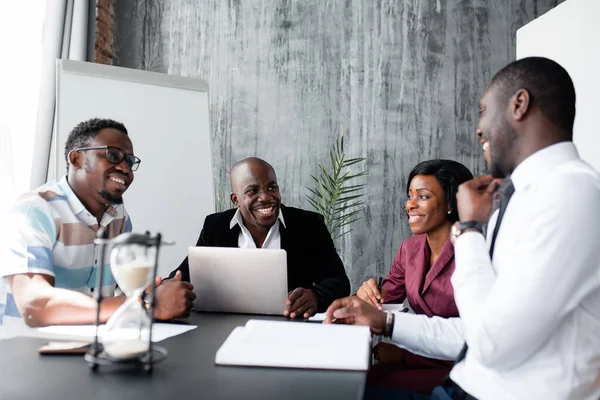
(389, 324)
(478, 226)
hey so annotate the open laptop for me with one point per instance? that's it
(230, 279)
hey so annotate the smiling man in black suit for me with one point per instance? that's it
(316, 275)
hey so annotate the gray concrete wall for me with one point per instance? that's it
(402, 79)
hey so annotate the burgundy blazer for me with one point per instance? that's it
(428, 290)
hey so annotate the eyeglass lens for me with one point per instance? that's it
(115, 156)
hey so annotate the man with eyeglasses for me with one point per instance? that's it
(49, 261)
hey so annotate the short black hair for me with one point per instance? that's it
(450, 174)
(86, 131)
(548, 84)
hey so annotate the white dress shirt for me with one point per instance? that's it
(532, 318)
(245, 241)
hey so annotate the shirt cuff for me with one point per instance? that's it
(407, 329)
(435, 337)
(469, 238)
(468, 255)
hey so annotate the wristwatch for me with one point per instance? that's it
(458, 228)
(389, 324)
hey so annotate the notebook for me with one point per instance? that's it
(316, 346)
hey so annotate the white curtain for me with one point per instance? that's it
(6, 168)
(21, 32)
(68, 34)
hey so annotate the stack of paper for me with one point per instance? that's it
(297, 345)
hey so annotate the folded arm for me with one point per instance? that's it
(508, 316)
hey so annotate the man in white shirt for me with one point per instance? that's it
(316, 274)
(529, 298)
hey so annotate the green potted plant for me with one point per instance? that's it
(337, 192)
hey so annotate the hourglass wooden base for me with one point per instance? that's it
(145, 361)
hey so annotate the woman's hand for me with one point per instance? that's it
(369, 292)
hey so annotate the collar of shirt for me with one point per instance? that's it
(542, 162)
(237, 219)
(79, 209)
(245, 240)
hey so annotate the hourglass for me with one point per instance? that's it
(127, 338)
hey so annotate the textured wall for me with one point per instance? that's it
(401, 78)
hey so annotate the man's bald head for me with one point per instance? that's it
(240, 167)
(255, 192)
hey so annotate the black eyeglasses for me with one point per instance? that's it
(115, 155)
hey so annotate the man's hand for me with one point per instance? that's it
(301, 302)
(475, 198)
(174, 298)
(354, 311)
(370, 293)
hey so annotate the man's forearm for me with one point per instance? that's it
(41, 304)
(54, 306)
(435, 337)
(67, 307)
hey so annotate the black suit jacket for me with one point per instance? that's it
(312, 259)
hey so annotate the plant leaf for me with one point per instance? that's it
(335, 193)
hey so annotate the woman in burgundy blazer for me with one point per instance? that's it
(421, 271)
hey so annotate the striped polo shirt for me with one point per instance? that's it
(49, 231)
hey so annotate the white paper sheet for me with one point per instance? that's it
(84, 333)
(297, 345)
(318, 317)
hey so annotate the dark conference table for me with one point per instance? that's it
(189, 372)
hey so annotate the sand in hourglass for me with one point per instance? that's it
(126, 342)
(125, 349)
(131, 277)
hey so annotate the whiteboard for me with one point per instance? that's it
(167, 118)
(568, 34)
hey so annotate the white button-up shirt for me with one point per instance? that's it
(532, 317)
(245, 241)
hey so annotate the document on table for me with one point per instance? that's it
(297, 345)
(83, 333)
(318, 317)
